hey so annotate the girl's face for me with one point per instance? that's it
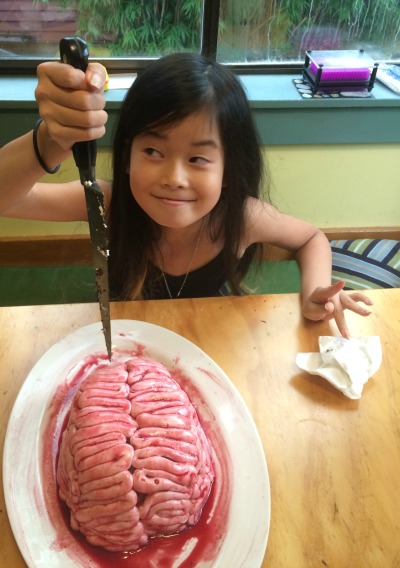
(176, 172)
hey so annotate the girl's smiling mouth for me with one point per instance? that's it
(174, 201)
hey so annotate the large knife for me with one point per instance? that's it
(74, 51)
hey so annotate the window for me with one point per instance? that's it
(112, 28)
(282, 30)
(247, 33)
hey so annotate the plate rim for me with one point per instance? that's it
(119, 327)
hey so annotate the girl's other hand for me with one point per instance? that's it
(330, 302)
(71, 102)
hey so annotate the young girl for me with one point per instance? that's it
(183, 209)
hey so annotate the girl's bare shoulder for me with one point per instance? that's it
(265, 224)
(260, 218)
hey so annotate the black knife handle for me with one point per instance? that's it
(74, 51)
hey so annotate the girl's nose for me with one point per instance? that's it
(174, 175)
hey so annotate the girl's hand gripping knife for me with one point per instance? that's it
(74, 51)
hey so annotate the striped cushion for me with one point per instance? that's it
(366, 263)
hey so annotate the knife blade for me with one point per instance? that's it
(74, 51)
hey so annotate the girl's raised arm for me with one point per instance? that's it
(71, 105)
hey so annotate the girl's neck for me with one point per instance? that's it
(174, 240)
(178, 249)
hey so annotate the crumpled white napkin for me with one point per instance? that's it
(346, 363)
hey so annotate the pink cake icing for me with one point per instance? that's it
(134, 461)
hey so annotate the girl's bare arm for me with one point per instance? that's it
(73, 110)
(320, 299)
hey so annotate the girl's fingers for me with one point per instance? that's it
(71, 88)
(351, 302)
(71, 103)
(331, 302)
(360, 297)
(341, 324)
(323, 295)
(96, 76)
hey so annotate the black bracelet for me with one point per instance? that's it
(36, 148)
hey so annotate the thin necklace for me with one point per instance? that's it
(160, 261)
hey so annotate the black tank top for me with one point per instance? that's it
(203, 282)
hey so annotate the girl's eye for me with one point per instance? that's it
(198, 160)
(152, 152)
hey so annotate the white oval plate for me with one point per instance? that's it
(242, 481)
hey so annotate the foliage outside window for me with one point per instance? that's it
(266, 31)
(138, 28)
(282, 30)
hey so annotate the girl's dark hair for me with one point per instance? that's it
(166, 92)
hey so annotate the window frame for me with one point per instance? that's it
(12, 66)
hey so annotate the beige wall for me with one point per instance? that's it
(68, 172)
(331, 186)
(338, 186)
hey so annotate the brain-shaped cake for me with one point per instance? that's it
(134, 461)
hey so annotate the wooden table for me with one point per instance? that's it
(334, 463)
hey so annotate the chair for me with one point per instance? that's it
(366, 263)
